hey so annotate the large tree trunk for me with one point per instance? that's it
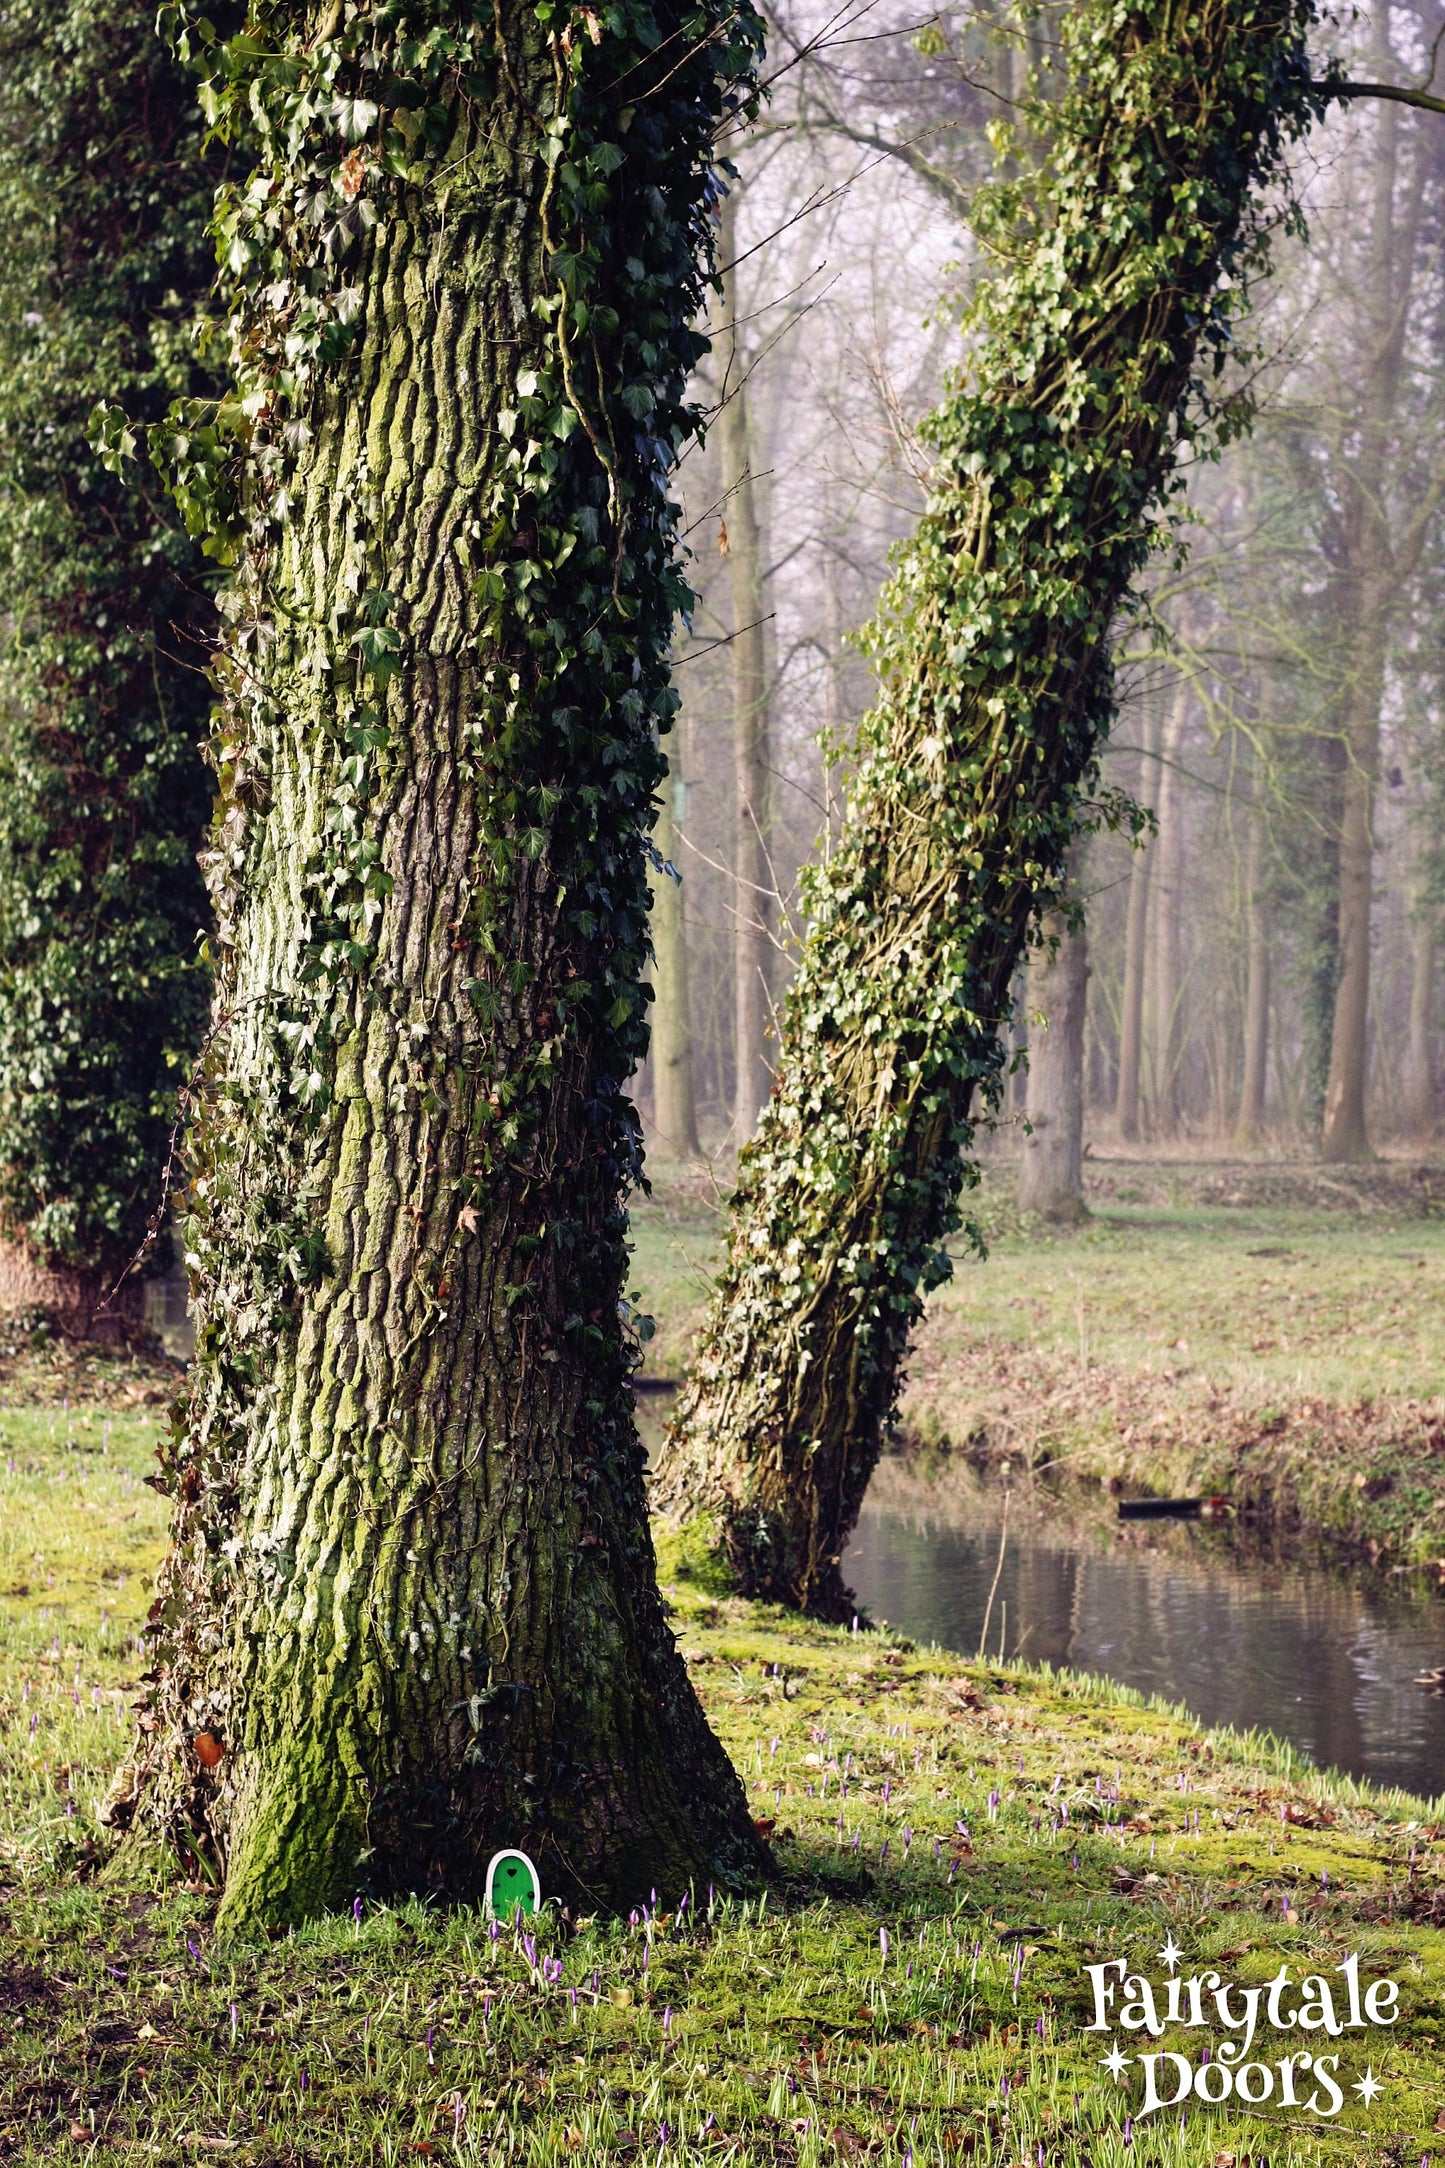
(674, 1102)
(1051, 1173)
(77, 1305)
(411, 1613)
(752, 947)
(1249, 1125)
(1049, 457)
(1136, 932)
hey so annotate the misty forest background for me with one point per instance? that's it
(1281, 709)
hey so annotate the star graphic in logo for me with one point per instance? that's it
(1171, 1953)
(1116, 2062)
(1367, 2086)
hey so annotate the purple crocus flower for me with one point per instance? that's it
(883, 1942)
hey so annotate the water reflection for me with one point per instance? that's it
(1296, 1652)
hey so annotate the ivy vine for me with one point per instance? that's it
(374, 119)
(105, 197)
(1100, 351)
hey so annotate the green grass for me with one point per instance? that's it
(780, 2030)
(1290, 1357)
(1351, 1310)
(1274, 1300)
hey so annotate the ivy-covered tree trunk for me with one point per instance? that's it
(107, 628)
(411, 1611)
(1050, 458)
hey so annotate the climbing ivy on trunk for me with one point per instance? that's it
(411, 1610)
(1096, 357)
(105, 627)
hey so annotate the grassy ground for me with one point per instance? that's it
(1271, 1333)
(954, 1844)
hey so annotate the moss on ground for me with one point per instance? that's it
(908, 1991)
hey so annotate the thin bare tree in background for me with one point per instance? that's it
(752, 751)
(674, 1099)
(1131, 1020)
(1051, 1172)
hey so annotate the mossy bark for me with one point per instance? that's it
(411, 1614)
(1049, 463)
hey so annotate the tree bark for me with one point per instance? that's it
(1136, 930)
(674, 1102)
(1249, 1126)
(1345, 1136)
(752, 1077)
(410, 1614)
(962, 801)
(1051, 1174)
(1161, 989)
(1422, 1102)
(1377, 565)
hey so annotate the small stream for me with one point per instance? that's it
(1167, 1609)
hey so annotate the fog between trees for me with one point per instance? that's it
(1262, 975)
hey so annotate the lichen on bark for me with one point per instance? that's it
(411, 1611)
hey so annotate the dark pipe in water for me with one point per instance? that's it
(1174, 1509)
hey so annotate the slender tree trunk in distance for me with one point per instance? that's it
(1345, 1137)
(1377, 568)
(962, 802)
(1422, 1105)
(1249, 1126)
(1136, 929)
(674, 1105)
(752, 1078)
(410, 1614)
(1161, 997)
(1051, 1173)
